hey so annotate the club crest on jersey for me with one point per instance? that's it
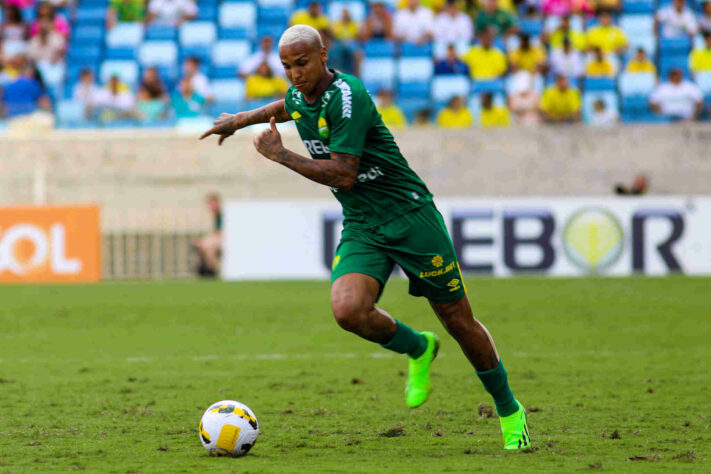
(323, 129)
(296, 115)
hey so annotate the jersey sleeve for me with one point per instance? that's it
(289, 101)
(348, 117)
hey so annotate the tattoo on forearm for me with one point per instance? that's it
(338, 172)
(264, 114)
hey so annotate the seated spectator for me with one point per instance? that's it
(14, 31)
(115, 101)
(209, 247)
(266, 54)
(675, 20)
(606, 36)
(171, 12)
(86, 91)
(599, 66)
(342, 56)
(700, 58)
(24, 95)
(527, 57)
(413, 24)
(45, 11)
(390, 113)
(523, 98)
(452, 25)
(263, 84)
(150, 107)
(422, 118)
(198, 80)
(563, 32)
(607, 5)
(567, 61)
(677, 99)
(455, 114)
(312, 16)
(185, 101)
(378, 24)
(705, 19)
(640, 63)
(491, 16)
(485, 62)
(47, 50)
(451, 64)
(560, 102)
(493, 116)
(153, 84)
(121, 11)
(345, 29)
(566, 7)
(602, 116)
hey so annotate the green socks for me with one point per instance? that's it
(407, 341)
(496, 383)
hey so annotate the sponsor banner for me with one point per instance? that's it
(50, 244)
(492, 236)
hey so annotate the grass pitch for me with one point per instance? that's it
(115, 377)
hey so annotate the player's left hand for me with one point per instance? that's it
(268, 143)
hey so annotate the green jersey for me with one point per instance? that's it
(344, 120)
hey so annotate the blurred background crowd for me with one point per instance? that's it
(454, 63)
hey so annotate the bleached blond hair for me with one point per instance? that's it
(298, 33)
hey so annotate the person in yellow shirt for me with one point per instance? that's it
(560, 102)
(493, 116)
(600, 66)
(640, 63)
(263, 84)
(345, 29)
(555, 40)
(313, 16)
(390, 113)
(700, 59)
(527, 57)
(606, 36)
(455, 115)
(485, 62)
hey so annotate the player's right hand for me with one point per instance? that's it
(224, 126)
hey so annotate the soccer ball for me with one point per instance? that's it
(228, 428)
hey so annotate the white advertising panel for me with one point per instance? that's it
(492, 236)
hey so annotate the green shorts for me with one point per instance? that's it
(417, 241)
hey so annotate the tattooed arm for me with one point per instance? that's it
(227, 124)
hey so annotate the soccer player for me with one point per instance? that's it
(389, 218)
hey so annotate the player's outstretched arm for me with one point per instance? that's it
(227, 124)
(339, 172)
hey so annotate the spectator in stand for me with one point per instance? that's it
(153, 84)
(115, 102)
(455, 114)
(705, 18)
(599, 66)
(312, 16)
(263, 84)
(523, 98)
(677, 99)
(87, 92)
(606, 36)
(266, 54)
(390, 113)
(493, 116)
(345, 29)
(452, 25)
(602, 116)
(413, 24)
(342, 56)
(555, 39)
(185, 101)
(491, 16)
(560, 102)
(171, 12)
(121, 11)
(607, 5)
(451, 64)
(209, 246)
(198, 80)
(422, 118)
(45, 11)
(640, 63)
(150, 107)
(14, 29)
(676, 20)
(526, 57)
(378, 25)
(24, 95)
(485, 61)
(566, 7)
(47, 50)
(700, 58)
(567, 61)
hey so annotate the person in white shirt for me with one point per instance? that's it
(677, 99)
(198, 80)
(413, 24)
(87, 92)
(567, 61)
(676, 20)
(452, 26)
(602, 116)
(115, 101)
(171, 12)
(265, 54)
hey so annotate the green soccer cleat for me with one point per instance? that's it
(515, 430)
(418, 385)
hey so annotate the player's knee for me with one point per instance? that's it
(349, 314)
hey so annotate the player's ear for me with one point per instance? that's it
(324, 55)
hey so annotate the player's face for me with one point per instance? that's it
(304, 65)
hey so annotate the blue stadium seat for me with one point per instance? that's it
(161, 33)
(632, 85)
(228, 90)
(197, 33)
(379, 49)
(230, 52)
(531, 27)
(410, 106)
(495, 86)
(667, 63)
(415, 69)
(703, 80)
(647, 43)
(411, 90)
(378, 73)
(444, 87)
(414, 50)
(634, 25)
(120, 53)
(599, 83)
(207, 4)
(673, 46)
(356, 9)
(285, 4)
(207, 13)
(238, 15)
(127, 35)
(71, 114)
(589, 99)
(158, 53)
(202, 52)
(91, 15)
(88, 34)
(127, 71)
(273, 16)
(270, 29)
(84, 54)
(229, 106)
(233, 33)
(639, 6)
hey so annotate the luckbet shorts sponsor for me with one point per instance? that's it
(417, 241)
